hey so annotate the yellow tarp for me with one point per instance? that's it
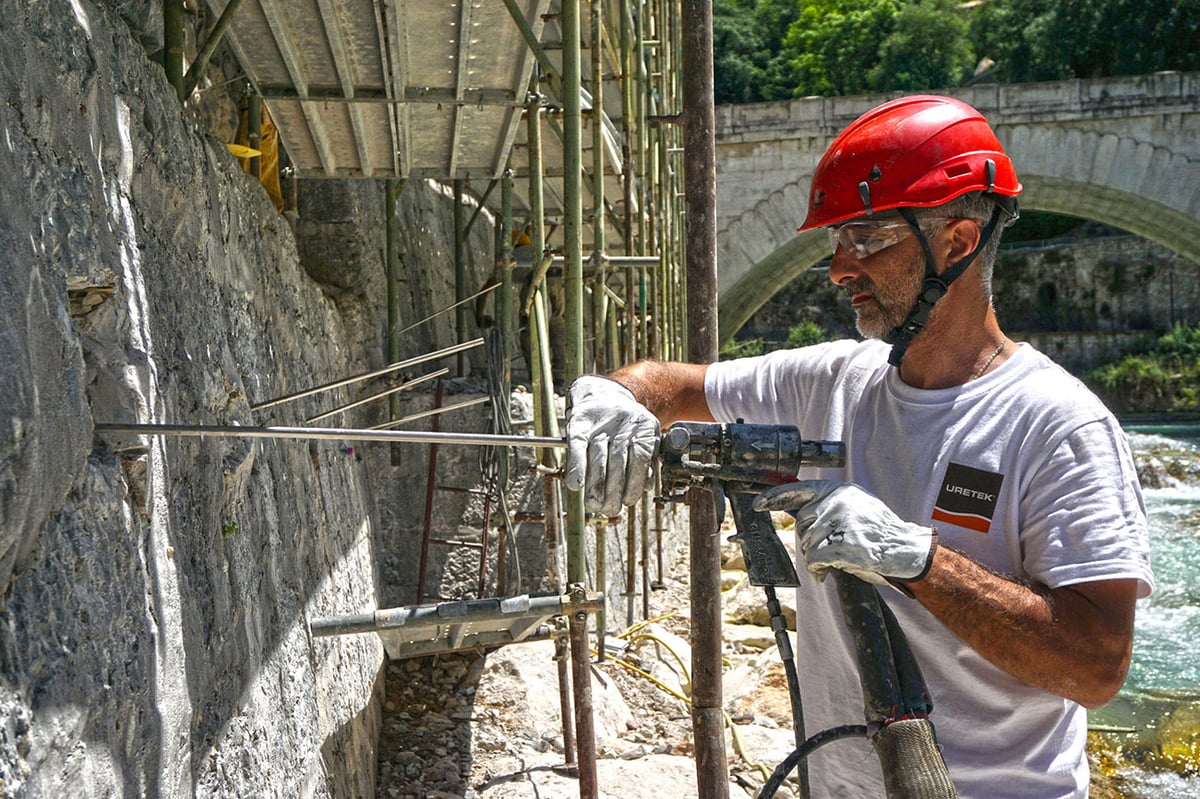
(268, 154)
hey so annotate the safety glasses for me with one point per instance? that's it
(860, 239)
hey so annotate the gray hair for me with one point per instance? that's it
(978, 206)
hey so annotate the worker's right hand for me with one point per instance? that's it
(611, 439)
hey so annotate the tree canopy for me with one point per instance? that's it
(779, 49)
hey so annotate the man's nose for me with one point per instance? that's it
(843, 267)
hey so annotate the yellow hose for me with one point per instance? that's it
(739, 746)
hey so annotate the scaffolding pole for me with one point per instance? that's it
(573, 285)
(699, 121)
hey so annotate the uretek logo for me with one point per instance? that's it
(968, 497)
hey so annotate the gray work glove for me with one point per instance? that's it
(611, 439)
(845, 527)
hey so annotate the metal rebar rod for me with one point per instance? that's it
(448, 308)
(412, 417)
(392, 367)
(334, 433)
(630, 563)
(379, 395)
(601, 579)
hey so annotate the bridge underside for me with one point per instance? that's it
(1136, 213)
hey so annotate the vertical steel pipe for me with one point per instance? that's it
(430, 488)
(573, 286)
(699, 122)
(504, 296)
(599, 298)
(460, 274)
(628, 174)
(254, 110)
(392, 189)
(544, 413)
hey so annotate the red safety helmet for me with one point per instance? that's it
(918, 152)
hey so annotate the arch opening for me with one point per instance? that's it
(1140, 215)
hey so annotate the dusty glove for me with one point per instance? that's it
(842, 526)
(611, 439)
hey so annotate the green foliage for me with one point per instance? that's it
(1137, 384)
(1054, 39)
(1181, 346)
(806, 333)
(834, 44)
(1164, 379)
(749, 64)
(741, 348)
(776, 49)
(927, 49)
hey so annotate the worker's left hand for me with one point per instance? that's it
(842, 526)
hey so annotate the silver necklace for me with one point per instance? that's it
(988, 362)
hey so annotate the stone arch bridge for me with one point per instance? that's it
(1122, 151)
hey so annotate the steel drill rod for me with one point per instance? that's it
(412, 417)
(391, 367)
(339, 434)
(380, 395)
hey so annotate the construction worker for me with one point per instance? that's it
(987, 484)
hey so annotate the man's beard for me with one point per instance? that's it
(889, 305)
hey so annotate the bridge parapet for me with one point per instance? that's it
(1123, 151)
(1002, 104)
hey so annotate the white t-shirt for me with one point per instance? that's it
(1024, 471)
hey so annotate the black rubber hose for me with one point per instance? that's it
(804, 750)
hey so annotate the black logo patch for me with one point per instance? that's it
(968, 497)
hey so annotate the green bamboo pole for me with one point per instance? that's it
(196, 70)
(628, 139)
(173, 45)
(544, 417)
(573, 286)
(599, 298)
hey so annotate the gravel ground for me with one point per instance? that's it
(466, 726)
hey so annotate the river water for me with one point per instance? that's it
(1155, 721)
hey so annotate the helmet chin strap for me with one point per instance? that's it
(934, 287)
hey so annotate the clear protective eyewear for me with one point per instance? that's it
(863, 238)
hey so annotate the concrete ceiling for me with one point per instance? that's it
(408, 88)
(420, 89)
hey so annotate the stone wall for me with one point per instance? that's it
(154, 594)
(1110, 284)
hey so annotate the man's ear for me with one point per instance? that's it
(964, 238)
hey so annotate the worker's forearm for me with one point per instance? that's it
(1071, 642)
(670, 390)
